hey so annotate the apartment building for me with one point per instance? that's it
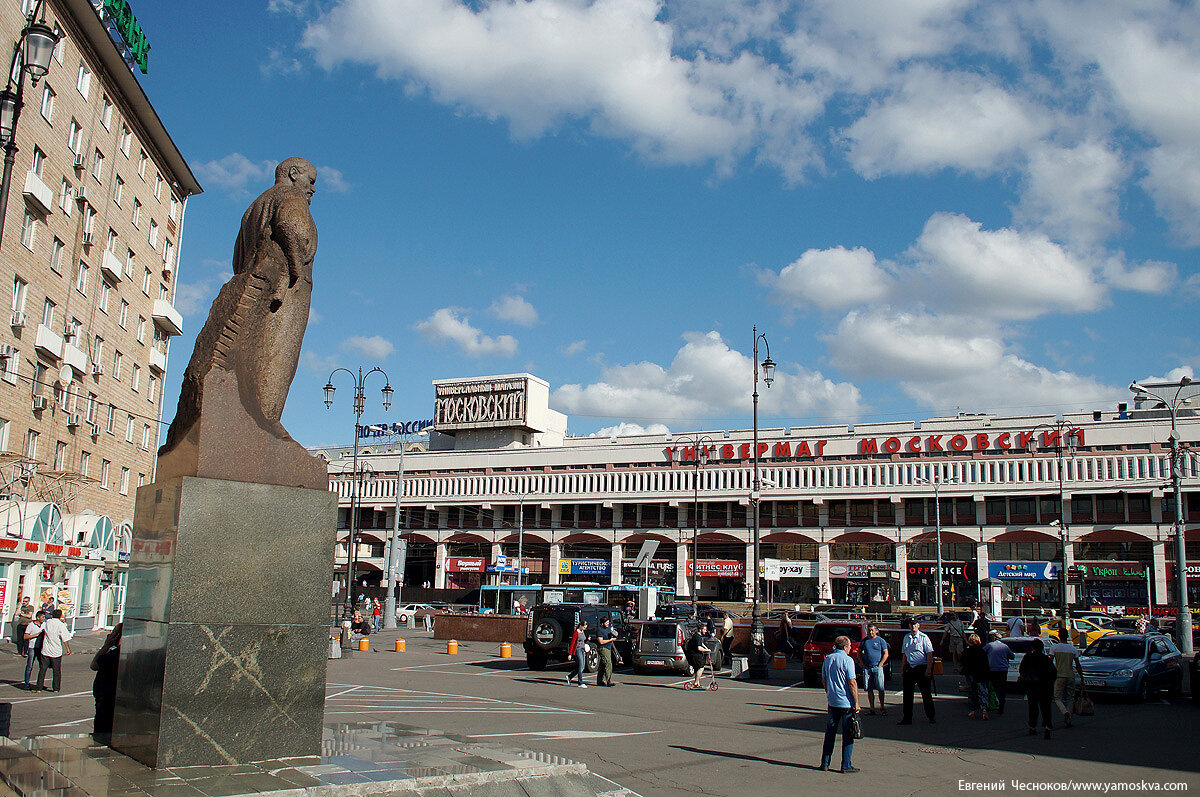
(91, 238)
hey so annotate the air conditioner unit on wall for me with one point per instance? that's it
(83, 192)
(18, 320)
(73, 420)
(97, 369)
(80, 160)
(95, 430)
(40, 403)
(87, 239)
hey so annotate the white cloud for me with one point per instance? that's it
(331, 179)
(376, 346)
(575, 347)
(832, 279)
(630, 430)
(450, 325)
(942, 120)
(949, 362)
(279, 63)
(1071, 192)
(235, 174)
(295, 8)
(1173, 180)
(705, 379)
(514, 309)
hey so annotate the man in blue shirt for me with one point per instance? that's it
(999, 655)
(917, 670)
(841, 689)
(872, 655)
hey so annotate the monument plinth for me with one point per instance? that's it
(227, 602)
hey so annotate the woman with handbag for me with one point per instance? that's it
(578, 651)
(1036, 675)
(975, 666)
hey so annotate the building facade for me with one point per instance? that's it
(91, 238)
(847, 514)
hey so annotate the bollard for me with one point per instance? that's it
(401, 645)
(505, 650)
(364, 644)
(780, 661)
(451, 646)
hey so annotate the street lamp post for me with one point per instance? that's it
(1184, 620)
(758, 652)
(397, 547)
(936, 482)
(31, 54)
(360, 405)
(1064, 437)
(700, 446)
(521, 535)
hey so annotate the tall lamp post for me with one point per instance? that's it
(758, 651)
(936, 482)
(1172, 403)
(31, 55)
(360, 405)
(397, 547)
(521, 534)
(700, 445)
(1064, 439)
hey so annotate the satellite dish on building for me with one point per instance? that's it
(65, 375)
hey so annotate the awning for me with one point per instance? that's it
(364, 538)
(31, 520)
(89, 529)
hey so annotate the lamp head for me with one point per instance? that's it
(1184, 381)
(329, 390)
(40, 41)
(768, 367)
(8, 114)
(387, 396)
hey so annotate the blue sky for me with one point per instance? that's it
(926, 205)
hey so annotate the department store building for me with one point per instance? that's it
(847, 513)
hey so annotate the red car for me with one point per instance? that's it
(820, 645)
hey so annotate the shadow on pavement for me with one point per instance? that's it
(744, 757)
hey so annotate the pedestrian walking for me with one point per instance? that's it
(578, 652)
(786, 643)
(872, 655)
(1066, 665)
(55, 637)
(999, 656)
(980, 624)
(1142, 625)
(605, 638)
(33, 646)
(377, 616)
(697, 652)
(22, 619)
(104, 685)
(956, 636)
(1016, 625)
(975, 668)
(841, 692)
(1037, 675)
(727, 634)
(917, 671)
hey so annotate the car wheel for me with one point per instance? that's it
(548, 633)
(536, 661)
(591, 661)
(1143, 690)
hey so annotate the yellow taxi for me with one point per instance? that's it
(1083, 632)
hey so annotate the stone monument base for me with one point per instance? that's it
(226, 623)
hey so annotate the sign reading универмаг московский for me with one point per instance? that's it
(122, 15)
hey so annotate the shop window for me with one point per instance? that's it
(650, 516)
(1110, 509)
(786, 513)
(914, 512)
(566, 516)
(964, 512)
(452, 517)
(870, 551)
(1024, 551)
(1050, 508)
(885, 513)
(996, 511)
(670, 517)
(1113, 551)
(737, 515)
(1081, 509)
(586, 516)
(1021, 510)
(606, 517)
(629, 515)
(810, 514)
(862, 513)
(1139, 507)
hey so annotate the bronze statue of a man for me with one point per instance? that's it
(256, 325)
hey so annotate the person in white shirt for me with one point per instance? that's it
(916, 670)
(54, 646)
(1067, 665)
(33, 645)
(1016, 626)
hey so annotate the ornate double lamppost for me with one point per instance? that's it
(1065, 441)
(758, 650)
(699, 444)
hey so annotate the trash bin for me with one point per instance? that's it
(740, 667)
(335, 646)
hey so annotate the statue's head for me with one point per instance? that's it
(299, 173)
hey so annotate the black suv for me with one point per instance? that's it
(553, 624)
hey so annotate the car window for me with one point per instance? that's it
(1161, 646)
(1108, 648)
(658, 631)
(828, 633)
(1019, 645)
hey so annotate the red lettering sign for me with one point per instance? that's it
(31, 546)
(914, 443)
(1004, 441)
(74, 552)
(981, 442)
(466, 564)
(958, 442)
(727, 451)
(8, 545)
(868, 446)
(803, 450)
(891, 445)
(782, 450)
(934, 443)
(720, 568)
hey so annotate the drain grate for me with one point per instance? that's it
(942, 750)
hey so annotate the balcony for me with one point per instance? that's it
(48, 342)
(158, 360)
(75, 357)
(111, 266)
(167, 317)
(38, 193)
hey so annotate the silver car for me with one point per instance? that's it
(659, 645)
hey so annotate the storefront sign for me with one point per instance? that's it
(784, 449)
(720, 568)
(480, 404)
(964, 570)
(658, 567)
(466, 564)
(584, 567)
(980, 441)
(859, 569)
(1113, 571)
(388, 429)
(1032, 571)
(1192, 569)
(779, 569)
(139, 49)
(3, 590)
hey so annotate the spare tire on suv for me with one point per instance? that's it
(547, 633)
(552, 625)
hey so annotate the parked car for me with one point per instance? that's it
(1099, 618)
(552, 625)
(1019, 645)
(1133, 664)
(820, 645)
(1083, 632)
(409, 613)
(660, 645)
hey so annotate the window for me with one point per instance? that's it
(142, 476)
(153, 237)
(106, 111)
(31, 444)
(110, 424)
(105, 290)
(137, 213)
(164, 292)
(48, 313)
(152, 389)
(130, 424)
(174, 208)
(126, 137)
(85, 460)
(81, 278)
(116, 365)
(158, 182)
(28, 230)
(119, 191)
(146, 437)
(48, 103)
(105, 466)
(146, 280)
(4, 425)
(98, 350)
(59, 47)
(169, 256)
(89, 221)
(98, 165)
(111, 245)
(74, 327)
(129, 259)
(20, 291)
(124, 481)
(60, 455)
(136, 380)
(141, 330)
(75, 138)
(39, 161)
(66, 196)
(91, 408)
(83, 80)
(39, 379)
(123, 316)
(143, 159)
(11, 365)
(56, 255)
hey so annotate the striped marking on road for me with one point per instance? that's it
(357, 700)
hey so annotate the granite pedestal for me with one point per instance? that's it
(226, 623)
